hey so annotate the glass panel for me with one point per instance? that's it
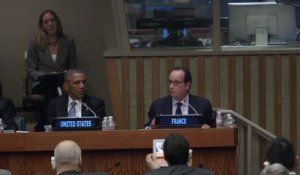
(258, 23)
(169, 23)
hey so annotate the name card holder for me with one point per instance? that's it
(76, 123)
(179, 121)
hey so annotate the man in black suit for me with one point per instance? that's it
(177, 154)
(8, 113)
(180, 101)
(67, 159)
(75, 103)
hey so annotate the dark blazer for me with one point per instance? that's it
(69, 173)
(164, 106)
(78, 173)
(58, 107)
(8, 113)
(180, 170)
(41, 63)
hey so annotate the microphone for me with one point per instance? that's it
(114, 166)
(88, 108)
(187, 103)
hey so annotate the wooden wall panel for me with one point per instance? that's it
(293, 98)
(201, 75)
(262, 104)
(277, 93)
(231, 83)
(215, 101)
(125, 93)
(155, 78)
(140, 92)
(115, 92)
(246, 86)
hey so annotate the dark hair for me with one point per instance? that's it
(176, 149)
(42, 38)
(281, 151)
(187, 74)
(69, 73)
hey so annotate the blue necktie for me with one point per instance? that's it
(72, 111)
(178, 109)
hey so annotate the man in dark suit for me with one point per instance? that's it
(8, 113)
(178, 155)
(67, 159)
(180, 101)
(75, 103)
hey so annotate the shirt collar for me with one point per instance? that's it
(184, 101)
(70, 100)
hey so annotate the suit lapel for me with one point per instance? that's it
(84, 111)
(169, 104)
(64, 106)
(192, 103)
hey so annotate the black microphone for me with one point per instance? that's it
(88, 108)
(114, 166)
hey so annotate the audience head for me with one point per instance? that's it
(282, 151)
(67, 156)
(4, 172)
(275, 169)
(176, 150)
(75, 84)
(49, 25)
(179, 82)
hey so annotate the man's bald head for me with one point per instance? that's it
(67, 153)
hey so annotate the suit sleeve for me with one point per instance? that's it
(99, 108)
(72, 54)
(151, 114)
(8, 114)
(209, 117)
(51, 112)
(33, 61)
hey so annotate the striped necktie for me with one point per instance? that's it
(72, 111)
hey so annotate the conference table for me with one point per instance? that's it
(29, 153)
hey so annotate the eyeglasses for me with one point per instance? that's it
(175, 83)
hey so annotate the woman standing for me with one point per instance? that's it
(50, 53)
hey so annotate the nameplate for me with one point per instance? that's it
(76, 123)
(179, 121)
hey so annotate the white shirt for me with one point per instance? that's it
(78, 106)
(53, 57)
(184, 107)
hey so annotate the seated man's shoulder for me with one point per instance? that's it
(92, 98)
(180, 170)
(100, 173)
(163, 99)
(198, 97)
(6, 101)
(59, 99)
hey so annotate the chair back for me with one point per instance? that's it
(29, 99)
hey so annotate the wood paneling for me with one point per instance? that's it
(277, 93)
(293, 98)
(201, 75)
(231, 83)
(31, 152)
(155, 78)
(125, 93)
(215, 81)
(140, 92)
